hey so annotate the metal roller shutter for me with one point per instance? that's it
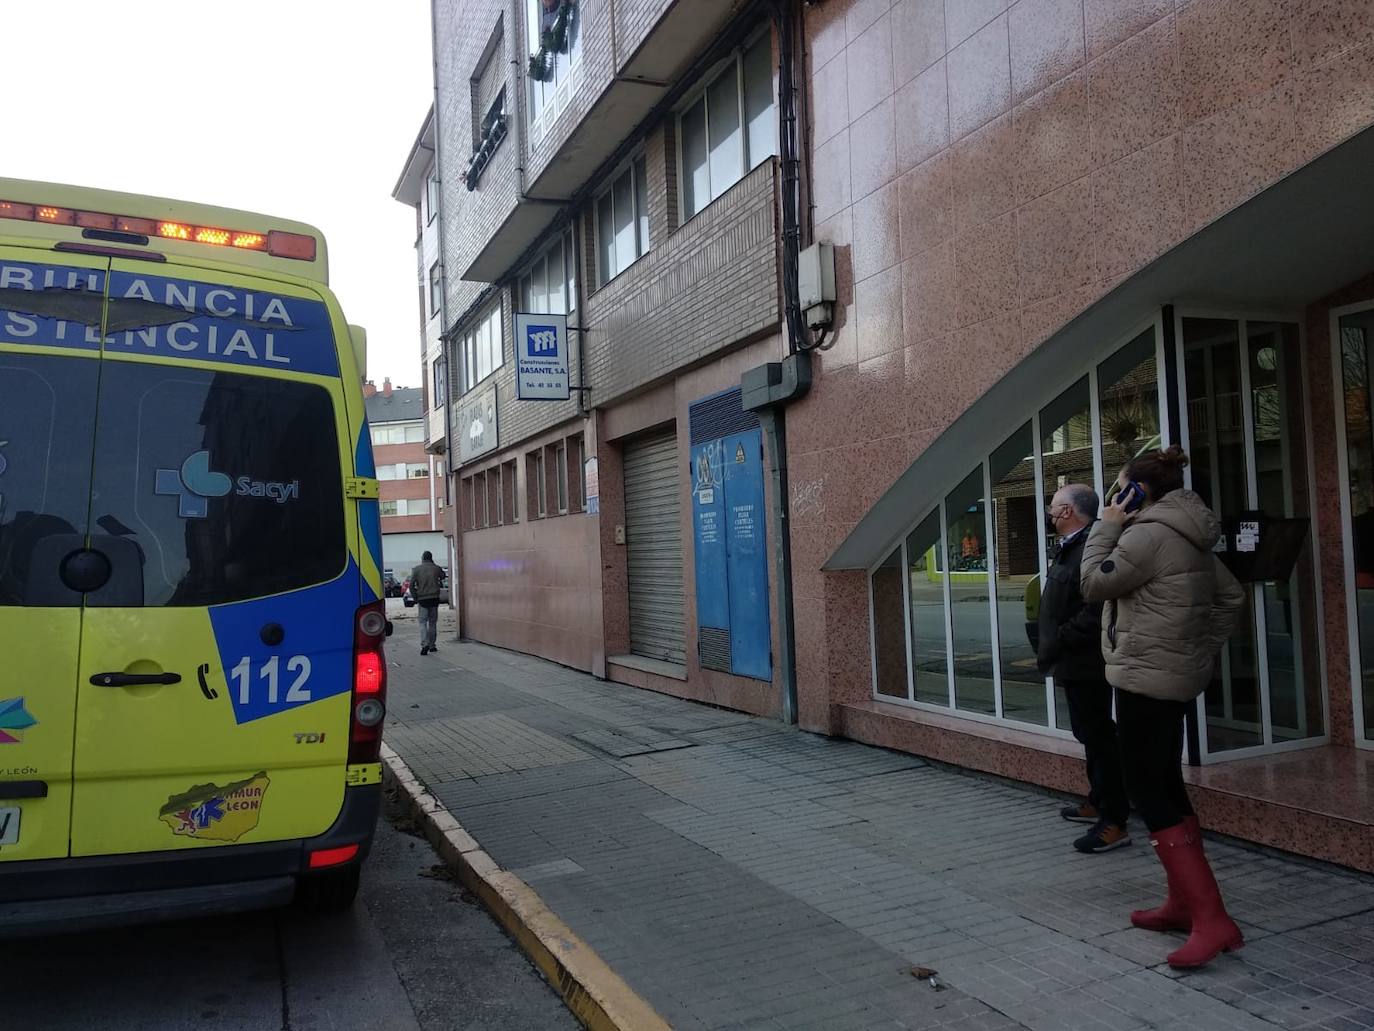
(653, 534)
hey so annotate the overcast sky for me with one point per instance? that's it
(299, 108)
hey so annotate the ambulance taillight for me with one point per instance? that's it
(369, 685)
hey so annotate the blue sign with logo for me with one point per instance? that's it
(541, 357)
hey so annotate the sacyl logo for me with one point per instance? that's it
(194, 484)
(541, 341)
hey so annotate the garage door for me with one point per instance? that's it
(653, 534)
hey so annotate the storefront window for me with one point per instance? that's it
(1281, 472)
(889, 637)
(973, 564)
(1218, 468)
(1066, 456)
(929, 648)
(1359, 442)
(1128, 404)
(1017, 528)
(966, 550)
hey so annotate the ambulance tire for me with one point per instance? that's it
(331, 892)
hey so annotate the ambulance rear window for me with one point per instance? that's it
(229, 484)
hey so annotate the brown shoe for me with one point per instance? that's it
(1104, 837)
(1084, 813)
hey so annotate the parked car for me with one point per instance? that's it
(391, 586)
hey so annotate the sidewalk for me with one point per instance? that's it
(738, 873)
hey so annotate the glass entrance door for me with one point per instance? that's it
(1245, 432)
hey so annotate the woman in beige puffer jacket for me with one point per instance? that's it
(1169, 607)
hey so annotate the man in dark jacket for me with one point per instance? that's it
(1070, 648)
(425, 581)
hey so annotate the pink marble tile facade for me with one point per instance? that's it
(1041, 152)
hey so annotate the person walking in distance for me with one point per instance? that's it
(1170, 605)
(425, 581)
(1070, 649)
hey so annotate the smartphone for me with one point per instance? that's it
(1132, 496)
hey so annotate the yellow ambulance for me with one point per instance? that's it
(192, 678)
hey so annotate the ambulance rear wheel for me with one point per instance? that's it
(329, 892)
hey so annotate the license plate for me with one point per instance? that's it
(9, 826)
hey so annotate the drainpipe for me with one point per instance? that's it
(769, 388)
(450, 449)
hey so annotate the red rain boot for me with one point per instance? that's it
(1213, 931)
(1173, 915)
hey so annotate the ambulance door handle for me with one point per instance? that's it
(134, 679)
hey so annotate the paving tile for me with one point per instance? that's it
(755, 876)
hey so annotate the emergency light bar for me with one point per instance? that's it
(277, 244)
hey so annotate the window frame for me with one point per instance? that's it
(629, 167)
(436, 287)
(539, 485)
(541, 116)
(439, 383)
(1155, 325)
(467, 346)
(560, 476)
(568, 287)
(735, 59)
(431, 195)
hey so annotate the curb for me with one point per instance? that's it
(596, 994)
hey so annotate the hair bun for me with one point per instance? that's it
(1174, 456)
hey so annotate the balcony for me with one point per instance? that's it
(609, 94)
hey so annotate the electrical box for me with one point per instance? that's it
(816, 275)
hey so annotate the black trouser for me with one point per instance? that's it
(1090, 717)
(1151, 734)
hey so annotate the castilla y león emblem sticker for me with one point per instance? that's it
(213, 813)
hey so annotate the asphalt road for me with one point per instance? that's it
(415, 953)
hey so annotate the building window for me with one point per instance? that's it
(470, 502)
(481, 513)
(399, 433)
(509, 487)
(417, 470)
(494, 496)
(577, 501)
(439, 373)
(550, 285)
(538, 489)
(728, 128)
(948, 601)
(405, 507)
(560, 476)
(435, 285)
(622, 222)
(432, 195)
(552, 73)
(482, 348)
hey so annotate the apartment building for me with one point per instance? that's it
(418, 188)
(1063, 231)
(578, 179)
(411, 479)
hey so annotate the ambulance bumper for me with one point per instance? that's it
(54, 896)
